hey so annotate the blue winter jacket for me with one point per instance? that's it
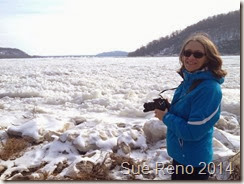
(191, 118)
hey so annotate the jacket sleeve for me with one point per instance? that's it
(204, 113)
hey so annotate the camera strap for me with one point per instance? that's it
(160, 94)
(192, 87)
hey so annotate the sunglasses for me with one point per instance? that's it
(196, 54)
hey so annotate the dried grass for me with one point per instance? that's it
(94, 171)
(101, 171)
(118, 160)
(236, 174)
(13, 148)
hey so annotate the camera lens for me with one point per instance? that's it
(150, 106)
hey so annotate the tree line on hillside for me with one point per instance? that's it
(12, 53)
(223, 29)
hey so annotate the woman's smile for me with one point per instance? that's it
(191, 61)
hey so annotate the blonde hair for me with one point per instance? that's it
(214, 61)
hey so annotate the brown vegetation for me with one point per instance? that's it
(101, 171)
(12, 148)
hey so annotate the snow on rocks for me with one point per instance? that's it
(154, 130)
(229, 124)
(37, 129)
(77, 151)
(220, 150)
(229, 140)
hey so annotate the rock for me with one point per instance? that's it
(228, 124)
(36, 176)
(71, 172)
(60, 167)
(2, 106)
(91, 154)
(68, 137)
(133, 134)
(78, 120)
(87, 148)
(3, 135)
(66, 126)
(124, 147)
(221, 124)
(12, 132)
(121, 125)
(50, 136)
(2, 168)
(236, 160)
(31, 139)
(229, 140)
(114, 133)
(84, 146)
(85, 166)
(103, 135)
(18, 176)
(37, 130)
(154, 131)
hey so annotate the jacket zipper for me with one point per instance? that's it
(181, 142)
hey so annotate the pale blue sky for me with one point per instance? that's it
(84, 27)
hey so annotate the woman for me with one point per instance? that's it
(193, 112)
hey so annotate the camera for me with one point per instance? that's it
(158, 103)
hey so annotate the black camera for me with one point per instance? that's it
(158, 103)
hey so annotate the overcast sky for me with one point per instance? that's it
(87, 27)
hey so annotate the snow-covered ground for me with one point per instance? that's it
(81, 114)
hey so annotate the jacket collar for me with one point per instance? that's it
(203, 74)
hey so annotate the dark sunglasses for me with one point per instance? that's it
(196, 54)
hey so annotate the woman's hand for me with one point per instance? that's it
(160, 114)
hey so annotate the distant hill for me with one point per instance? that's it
(113, 54)
(12, 53)
(223, 29)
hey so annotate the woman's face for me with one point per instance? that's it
(194, 56)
